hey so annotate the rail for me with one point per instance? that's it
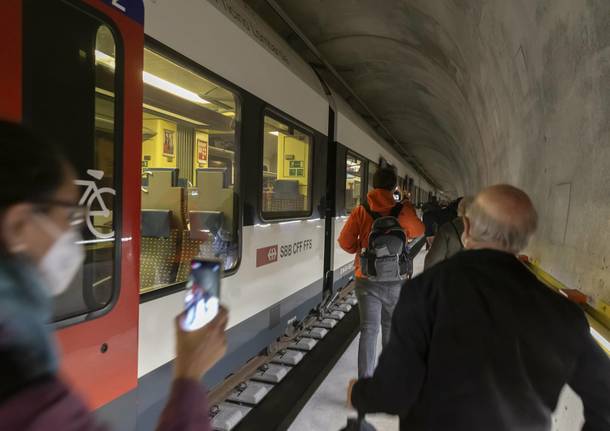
(597, 312)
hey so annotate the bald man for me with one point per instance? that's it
(478, 343)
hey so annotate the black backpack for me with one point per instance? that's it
(386, 258)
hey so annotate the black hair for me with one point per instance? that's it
(31, 169)
(384, 178)
(454, 204)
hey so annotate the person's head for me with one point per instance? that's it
(38, 200)
(384, 178)
(453, 205)
(501, 217)
(463, 204)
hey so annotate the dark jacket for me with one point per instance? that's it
(447, 242)
(430, 220)
(478, 343)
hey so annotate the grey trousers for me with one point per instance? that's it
(376, 302)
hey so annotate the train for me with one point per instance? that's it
(195, 131)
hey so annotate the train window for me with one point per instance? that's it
(372, 169)
(410, 188)
(354, 172)
(71, 99)
(287, 163)
(189, 172)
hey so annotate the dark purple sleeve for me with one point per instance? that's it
(48, 404)
(186, 409)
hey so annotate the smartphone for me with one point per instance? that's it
(202, 299)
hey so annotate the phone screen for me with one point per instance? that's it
(203, 293)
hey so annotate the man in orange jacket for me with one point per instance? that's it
(376, 299)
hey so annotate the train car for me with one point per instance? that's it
(195, 131)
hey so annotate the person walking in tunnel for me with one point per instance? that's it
(431, 211)
(39, 255)
(448, 239)
(376, 299)
(479, 343)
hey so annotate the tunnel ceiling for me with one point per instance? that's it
(398, 58)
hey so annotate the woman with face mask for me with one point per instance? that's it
(39, 256)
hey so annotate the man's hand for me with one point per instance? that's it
(350, 386)
(197, 351)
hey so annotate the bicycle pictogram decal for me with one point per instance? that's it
(94, 200)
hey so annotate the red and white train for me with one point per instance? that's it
(195, 131)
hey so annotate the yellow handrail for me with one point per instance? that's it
(597, 312)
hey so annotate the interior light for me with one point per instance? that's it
(172, 114)
(104, 58)
(154, 80)
(275, 133)
(172, 88)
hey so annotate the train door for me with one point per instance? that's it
(333, 196)
(329, 201)
(349, 174)
(72, 72)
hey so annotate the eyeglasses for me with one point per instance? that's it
(76, 213)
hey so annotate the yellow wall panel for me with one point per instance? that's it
(290, 150)
(202, 152)
(156, 150)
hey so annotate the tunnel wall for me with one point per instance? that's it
(536, 77)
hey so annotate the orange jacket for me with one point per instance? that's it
(355, 234)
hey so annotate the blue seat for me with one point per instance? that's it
(156, 223)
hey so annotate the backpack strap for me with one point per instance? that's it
(368, 209)
(396, 210)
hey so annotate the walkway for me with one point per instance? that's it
(326, 410)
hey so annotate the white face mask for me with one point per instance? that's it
(63, 260)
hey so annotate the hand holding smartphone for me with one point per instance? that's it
(202, 300)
